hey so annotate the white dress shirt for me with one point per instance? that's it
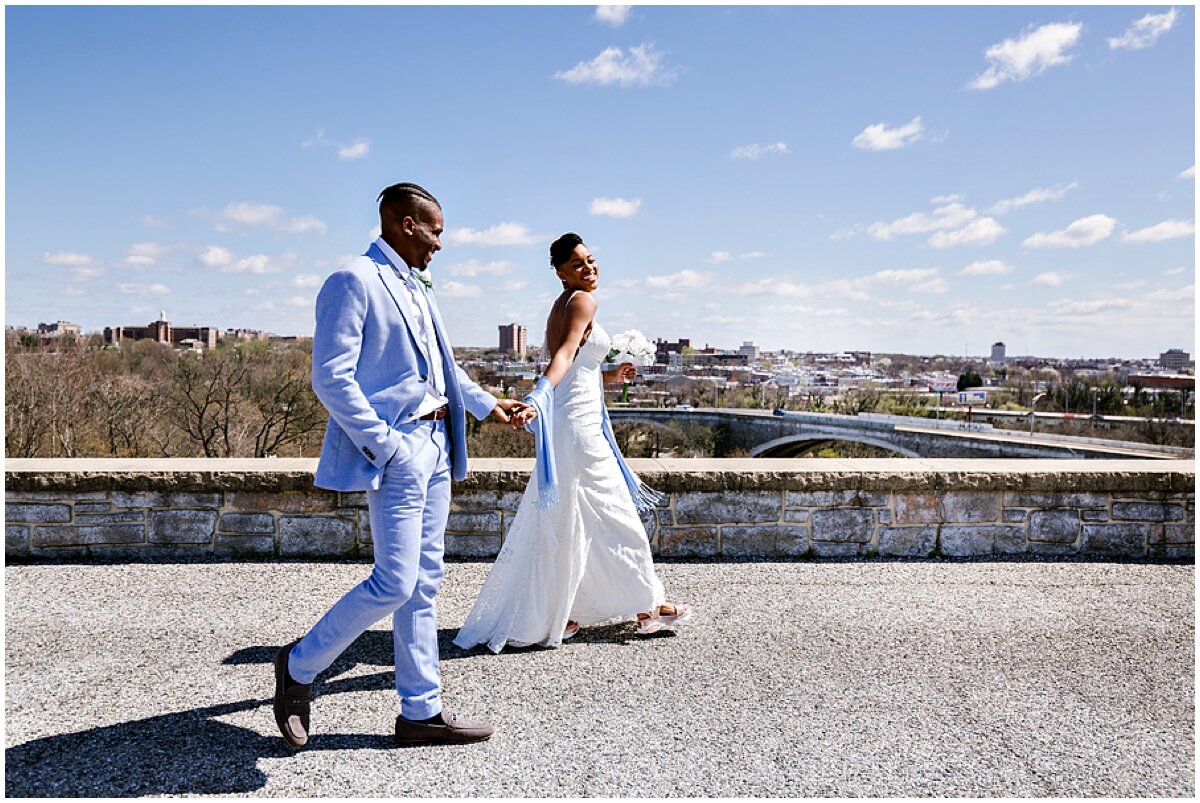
(435, 386)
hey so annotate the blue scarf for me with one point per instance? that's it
(542, 398)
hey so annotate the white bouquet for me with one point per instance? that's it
(632, 346)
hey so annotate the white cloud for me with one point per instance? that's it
(723, 320)
(85, 272)
(257, 264)
(143, 255)
(949, 216)
(1167, 230)
(152, 222)
(932, 286)
(1074, 307)
(1176, 294)
(991, 267)
(1145, 31)
(1035, 196)
(613, 15)
(1085, 231)
(1135, 284)
(756, 151)
(65, 258)
(1175, 271)
(879, 137)
(893, 277)
(307, 280)
(614, 207)
(683, 280)
(300, 301)
(250, 215)
(717, 257)
(847, 232)
(1050, 279)
(453, 289)
(500, 234)
(151, 250)
(1032, 54)
(355, 150)
(642, 66)
(134, 289)
(473, 267)
(358, 149)
(983, 231)
(214, 256)
(320, 139)
(1190, 173)
(304, 224)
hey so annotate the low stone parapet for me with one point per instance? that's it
(90, 509)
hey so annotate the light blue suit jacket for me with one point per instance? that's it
(370, 371)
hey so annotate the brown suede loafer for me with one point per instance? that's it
(291, 702)
(453, 729)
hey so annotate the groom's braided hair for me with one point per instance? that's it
(403, 199)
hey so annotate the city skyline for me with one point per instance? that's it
(899, 180)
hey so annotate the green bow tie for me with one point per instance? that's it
(422, 277)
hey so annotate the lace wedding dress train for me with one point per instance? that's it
(586, 559)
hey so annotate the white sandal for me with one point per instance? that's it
(658, 621)
(681, 615)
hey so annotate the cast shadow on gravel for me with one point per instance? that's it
(186, 752)
(194, 752)
(374, 647)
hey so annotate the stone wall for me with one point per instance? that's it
(168, 509)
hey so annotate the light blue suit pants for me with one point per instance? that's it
(408, 524)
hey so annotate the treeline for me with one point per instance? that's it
(254, 398)
(78, 399)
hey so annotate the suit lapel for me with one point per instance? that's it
(440, 331)
(399, 295)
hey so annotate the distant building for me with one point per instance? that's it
(513, 339)
(1174, 359)
(161, 331)
(58, 328)
(749, 350)
(664, 349)
(998, 352)
(245, 334)
(860, 357)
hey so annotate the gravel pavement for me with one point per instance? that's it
(857, 678)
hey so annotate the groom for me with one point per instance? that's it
(397, 406)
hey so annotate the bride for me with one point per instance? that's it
(577, 553)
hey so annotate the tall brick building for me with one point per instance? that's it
(512, 339)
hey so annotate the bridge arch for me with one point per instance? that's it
(779, 445)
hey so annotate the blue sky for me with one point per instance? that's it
(922, 180)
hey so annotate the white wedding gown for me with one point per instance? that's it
(587, 559)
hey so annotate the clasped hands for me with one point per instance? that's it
(513, 412)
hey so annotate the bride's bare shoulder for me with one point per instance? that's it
(583, 302)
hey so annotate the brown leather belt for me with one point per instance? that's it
(436, 415)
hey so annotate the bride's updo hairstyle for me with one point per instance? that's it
(562, 248)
